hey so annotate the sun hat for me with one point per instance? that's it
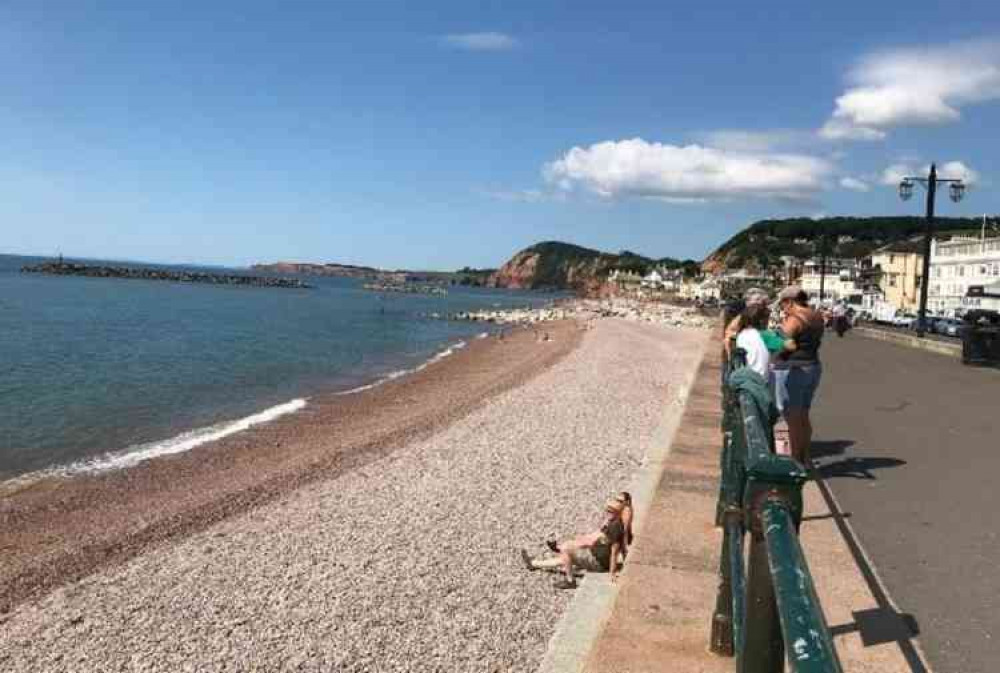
(755, 295)
(794, 293)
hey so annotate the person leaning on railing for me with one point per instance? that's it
(797, 369)
(752, 297)
(752, 324)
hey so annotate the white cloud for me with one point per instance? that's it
(740, 140)
(854, 184)
(915, 86)
(838, 129)
(480, 41)
(636, 168)
(519, 195)
(895, 173)
(956, 169)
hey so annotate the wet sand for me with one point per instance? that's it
(60, 530)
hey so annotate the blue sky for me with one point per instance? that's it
(435, 135)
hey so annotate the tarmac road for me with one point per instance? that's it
(909, 442)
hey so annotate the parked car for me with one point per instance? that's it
(904, 320)
(948, 327)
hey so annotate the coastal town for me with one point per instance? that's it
(881, 286)
(457, 337)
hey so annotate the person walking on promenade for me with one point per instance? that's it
(839, 315)
(595, 552)
(797, 371)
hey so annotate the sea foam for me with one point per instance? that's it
(391, 376)
(178, 444)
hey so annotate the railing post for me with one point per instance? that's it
(764, 651)
(803, 625)
(727, 621)
(769, 478)
(768, 606)
(721, 642)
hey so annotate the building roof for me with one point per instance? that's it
(913, 245)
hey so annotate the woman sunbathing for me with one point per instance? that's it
(596, 551)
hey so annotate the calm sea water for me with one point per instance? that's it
(90, 366)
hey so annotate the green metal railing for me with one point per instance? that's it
(767, 604)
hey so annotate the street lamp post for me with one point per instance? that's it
(822, 268)
(957, 190)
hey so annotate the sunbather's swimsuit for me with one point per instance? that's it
(613, 532)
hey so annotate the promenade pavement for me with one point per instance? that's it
(907, 441)
(658, 617)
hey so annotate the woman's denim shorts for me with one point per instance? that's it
(795, 387)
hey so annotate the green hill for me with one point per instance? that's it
(763, 243)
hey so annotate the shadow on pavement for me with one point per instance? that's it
(856, 468)
(833, 447)
(822, 517)
(883, 624)
(879, 626)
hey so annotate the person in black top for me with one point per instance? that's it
(596, 551)
(797, 370)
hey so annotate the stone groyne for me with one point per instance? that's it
(176, 276)
(407, 288)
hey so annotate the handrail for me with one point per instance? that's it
(767, 604)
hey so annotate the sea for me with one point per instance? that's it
(102, 373)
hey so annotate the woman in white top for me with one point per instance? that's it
(752, 321)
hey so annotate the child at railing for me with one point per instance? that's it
(753, 322)
(760, 347)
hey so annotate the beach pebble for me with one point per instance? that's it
(410, 565)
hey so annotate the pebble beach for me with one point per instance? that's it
(405, 562)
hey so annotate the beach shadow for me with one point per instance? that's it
(834, 447)
(857, 468)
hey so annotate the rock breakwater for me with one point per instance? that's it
(175, 276)
(590, 309)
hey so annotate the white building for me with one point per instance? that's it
(985, 297)
(701, 288)
(710, 288)
(840, 282)
(624, 278)
(662, 278)
(652, 279)
(957, 265)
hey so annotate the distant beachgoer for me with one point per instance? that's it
(753, 322)
(797, 371)
(595, 552)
